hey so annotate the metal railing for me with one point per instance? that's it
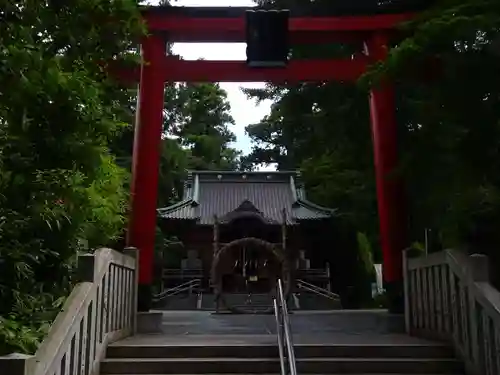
(190, 286)
(100, 310)
(314, 273)
(181, 273)
(449, 297)
(301, 284)
(284, 333)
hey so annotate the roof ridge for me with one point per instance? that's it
(311, 205)
(175, 206)
(257, 195)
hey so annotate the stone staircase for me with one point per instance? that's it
(257, 301)
(99, 331)
(211, 357)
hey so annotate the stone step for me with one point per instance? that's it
(272, 365)
(122, 350)
(238, 299)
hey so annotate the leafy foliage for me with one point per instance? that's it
(452, 121)
(365, 253)
(198, 115)
(196, 135)
(66, 132)
(59, 185)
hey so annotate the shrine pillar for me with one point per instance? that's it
(145, 163)
(390, 189)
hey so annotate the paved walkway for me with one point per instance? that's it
(244, 340)
(307, 322)
(369, 327)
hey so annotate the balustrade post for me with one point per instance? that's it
(85, 271)
(479, 267)
(479, 272)
(328, 283)
(17, 364)
(134, 253)
(406, 292)
(445, 288)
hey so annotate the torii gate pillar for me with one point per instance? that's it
(390, 189)
(146, 163)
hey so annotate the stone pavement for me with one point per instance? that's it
(245, 340)
(306, 322)
(309, 328)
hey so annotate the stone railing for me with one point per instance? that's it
(100, 309)
(449, 297)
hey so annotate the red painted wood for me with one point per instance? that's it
(146, 157)
(176, 70)
(302, 29)
(238, 71)
(390, 193)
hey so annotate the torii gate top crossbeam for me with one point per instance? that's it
(227, 24)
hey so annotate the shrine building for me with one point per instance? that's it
(263, 219)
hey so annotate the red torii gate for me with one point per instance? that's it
(186, 24)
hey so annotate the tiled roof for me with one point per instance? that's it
(211, 194)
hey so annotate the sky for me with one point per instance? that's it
(243, 110)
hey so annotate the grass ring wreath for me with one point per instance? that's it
(216, 276)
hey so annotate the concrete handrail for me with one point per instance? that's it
(448, 296)
(100, 309)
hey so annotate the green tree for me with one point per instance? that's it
(198, 115)
(196, 135)
(59, 185)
